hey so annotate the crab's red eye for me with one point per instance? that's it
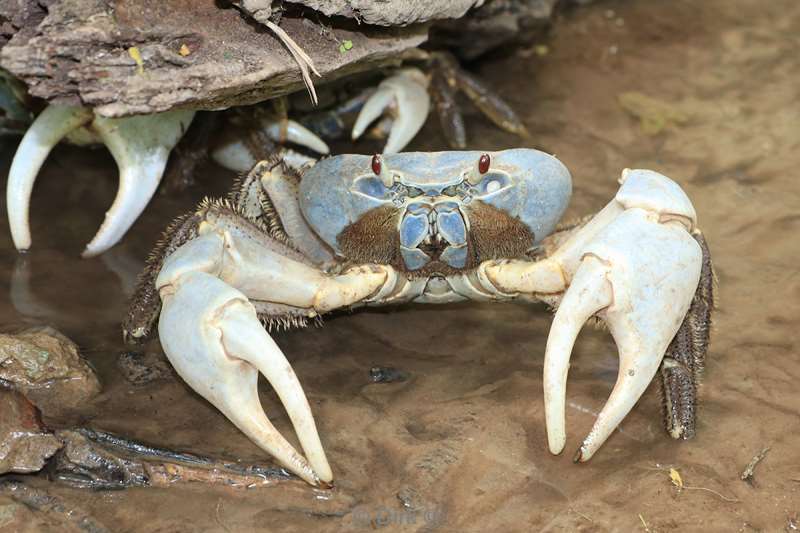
(376, 164)
(483, 164)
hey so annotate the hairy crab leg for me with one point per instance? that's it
(406, 92)
(271, 188)
(52, 125)
(490, 104)
(685, 358)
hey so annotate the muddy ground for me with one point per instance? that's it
(706, 92)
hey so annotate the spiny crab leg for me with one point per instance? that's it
(636, 266)
(406, 95)
(212, 335)
(140, 146)
(237, 155)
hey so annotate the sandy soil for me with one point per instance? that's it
(706, 92)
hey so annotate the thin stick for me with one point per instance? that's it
(712, 491)
(647, 529)
(302, 59)
(749, 471)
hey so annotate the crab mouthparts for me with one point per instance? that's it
(433, 232)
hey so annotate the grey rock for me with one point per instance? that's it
(25, 444)
(192, 54)
(46, 367)
(392, 12)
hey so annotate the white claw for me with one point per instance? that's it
(141, 146)
(407, 93)
(244, 337)
(639, 274)
(296, 133)
(213, 338)
(374, 107)
(589, 293)
(52, 125)
(237, 156)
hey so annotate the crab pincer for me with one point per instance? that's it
(140, 146)
(636, 265)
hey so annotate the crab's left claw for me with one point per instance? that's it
(405, 95)
(140, 145)
(636, 265)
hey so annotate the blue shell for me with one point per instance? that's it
(528, 184)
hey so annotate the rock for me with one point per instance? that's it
(386, 374)
(144, 56)
(25, 444)
(84, 464)
(19, 518)
(142, 368)
(46, 367)
(43, 512)
(392, 12)
(494, 24)
(98, 460)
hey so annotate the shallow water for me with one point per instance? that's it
(461, 444)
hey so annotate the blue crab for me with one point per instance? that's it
(355, 230)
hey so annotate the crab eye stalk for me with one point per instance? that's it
(483, 163)
(475, 174)
(380, 170)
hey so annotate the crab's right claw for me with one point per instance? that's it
(213, 338)
(405, 94)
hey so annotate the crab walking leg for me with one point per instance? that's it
(293, 131)
(52, 125)
(213, 338)
(407, 92)
(283, 192)
(450, 118)
(140, 146)
(236, 155)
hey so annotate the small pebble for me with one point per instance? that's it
(386, 374)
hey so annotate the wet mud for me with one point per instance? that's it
(705, 92)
